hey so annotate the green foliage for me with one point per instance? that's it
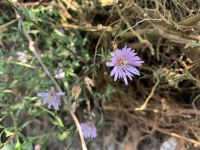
(22, 113)
(24, 11)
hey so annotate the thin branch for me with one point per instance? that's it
(135, 33)
(190, 20)
(136, 24)
(9, 23)
(36, 4)
(144, 105)
(86, 27)
(79, 130)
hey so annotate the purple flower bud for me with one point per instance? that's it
(59, 75)
(89, 130)
(21, 56)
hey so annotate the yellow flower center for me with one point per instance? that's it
(51, 96)
(121, 61)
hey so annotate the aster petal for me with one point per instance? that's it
(113, 71)
(125, 79)
(126, 51)
(94, 133)
(118, 53)
(116, 75)
(114, 60)
(124, 48)
(42, 94)
(52, 89)
(45, 100)
(136, 58)
(132, 70)
(133, 54)
(89, 130)
(56, 102)
(110, 64)
(130, 56)
(128, 74)
(55, 105)
(49, 106)
(120, 72)
(112, 54)
(136, 63)
(60, 93)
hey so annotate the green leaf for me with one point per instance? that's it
(62, 136)
(61, 37)
(27, 145)
(24, 11)
(18, 106)
(59, 121)
(7, 147)
(8, 133)
(18, 146)
(7, 91)
(25, 124)
(2, 52)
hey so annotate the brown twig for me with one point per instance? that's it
(135, 33)
(144, 105)
(86, 27)
(36, 4)
(9, 23)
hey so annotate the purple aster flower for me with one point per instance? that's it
(21, 56)
(51, 98)
(89, 130)
(124, 62)
(59, 75)
(37, 147)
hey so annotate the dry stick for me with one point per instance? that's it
(195, 142)
(164, 131)
(101, 36)
(33, 50)
(160, 31)
(79, 130)
(190, 20)
(144, 105)
(136, 24)
(179, 136)
(36, 4)
(86, 27)
(95, 52)
(185, 139)
(134, 32)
